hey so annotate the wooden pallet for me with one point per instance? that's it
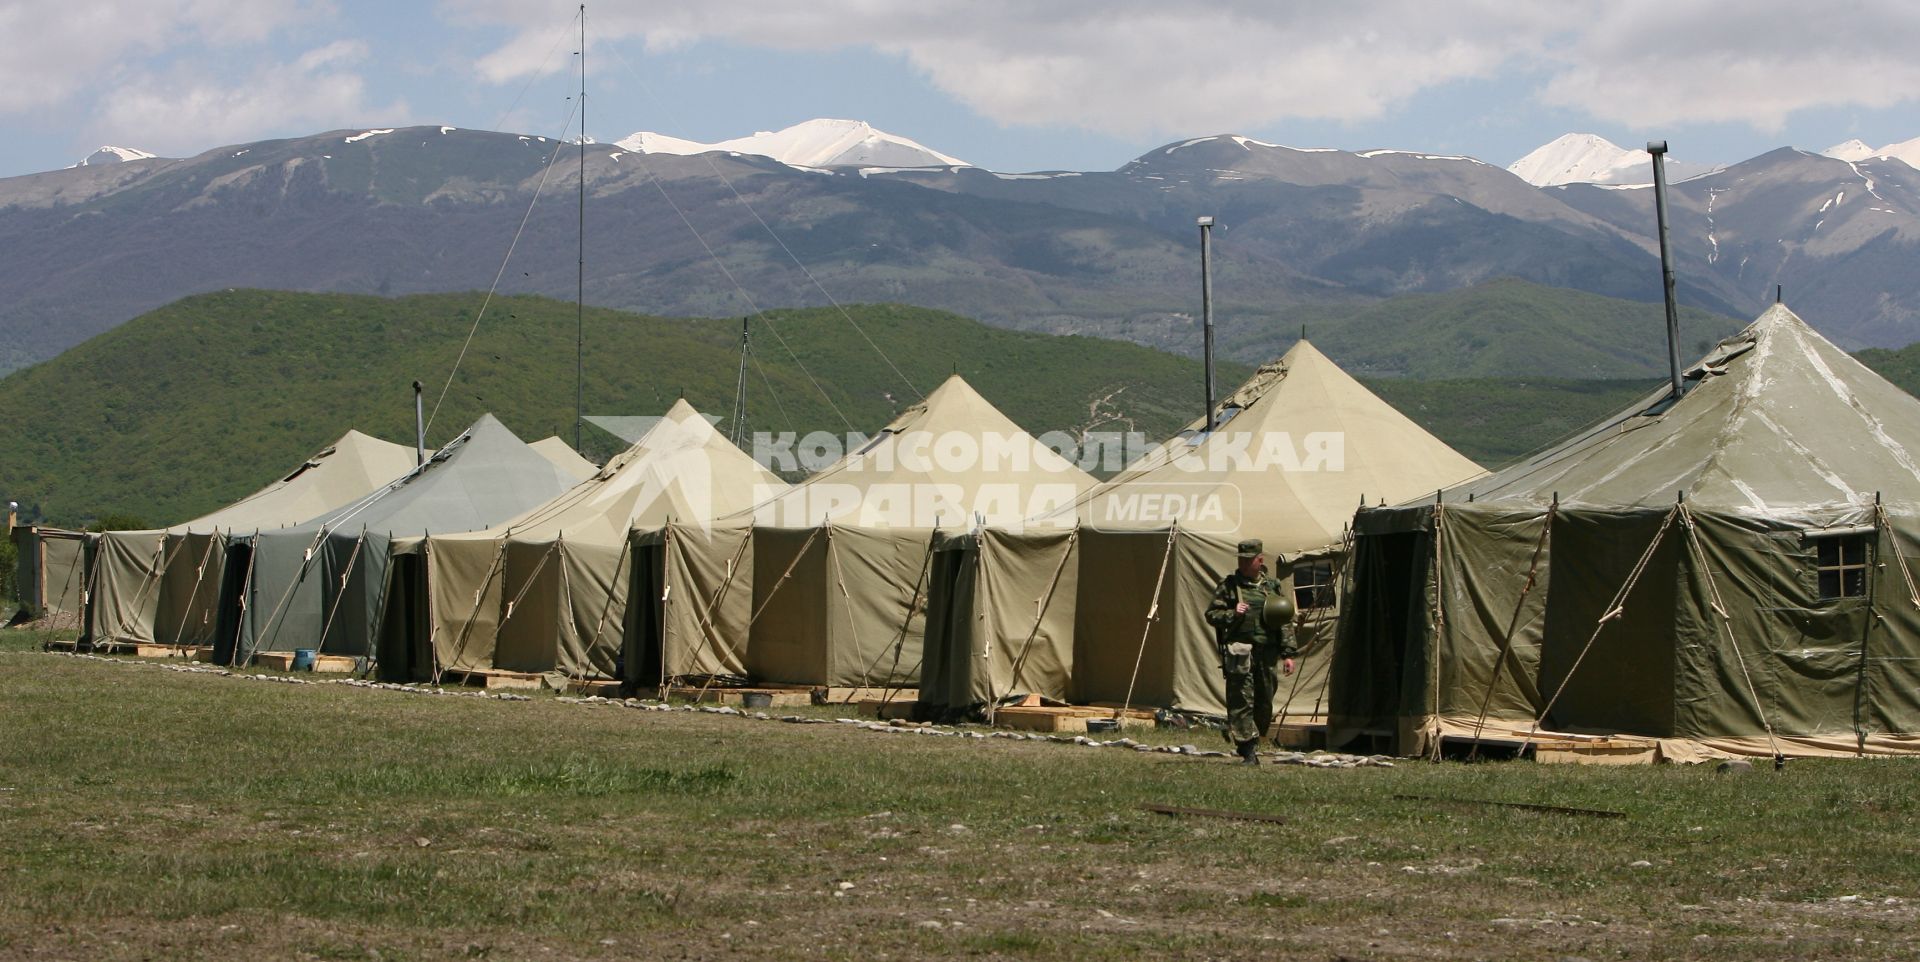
(783, 697)
(847, 696)
(189, 652)
(1561, 748)
(1299, 735)
(493, 679)
(885, 709)
(592, 687)
(1066, 719)
(283, 661)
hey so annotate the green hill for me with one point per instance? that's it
(1500, 328)
(194, 405)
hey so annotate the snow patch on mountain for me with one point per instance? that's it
(113, 155)
(1592, 159)
(363, 135)
(810, 144)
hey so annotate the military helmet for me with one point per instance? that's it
(1277, 613)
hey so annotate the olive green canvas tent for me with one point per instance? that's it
(547, 591)
(320, 584)
(162, 586)
(1290, 455)
(839, 564)
(1728, 572)
(49, 574)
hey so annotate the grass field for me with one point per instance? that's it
(149, 814)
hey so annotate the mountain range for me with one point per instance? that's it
(835, 211)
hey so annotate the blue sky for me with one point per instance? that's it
(1008, 84)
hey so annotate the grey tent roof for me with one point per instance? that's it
(1775, 419)
(480, 478)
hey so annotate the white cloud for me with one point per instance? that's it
(1134, 67)
(51, 52)
(183, 110)
(1752, 63)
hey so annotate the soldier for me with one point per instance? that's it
(1253, 643)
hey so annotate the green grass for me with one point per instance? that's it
(154, 814)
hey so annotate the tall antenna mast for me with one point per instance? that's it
(1206, 315)
(740, 391)
(1658, 148)
(580, 281)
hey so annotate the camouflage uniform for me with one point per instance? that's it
(1252, 679)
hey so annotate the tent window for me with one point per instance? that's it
(1313, 586)
(1842, 564)
(874, 442)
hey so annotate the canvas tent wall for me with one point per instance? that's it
(1290, 455)
(162, 586)
(993, 627)
(840, 563)
(547, 591)
(49, 574)
(1730, 572)
(320, 584)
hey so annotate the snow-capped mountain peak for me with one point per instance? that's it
(1907, 150)
(113, 155)
(1855, 149)
(812, 143)
(1592, 159)
(1581, 159)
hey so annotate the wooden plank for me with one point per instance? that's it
(275, 660)
(886, 710)
(590, 687)
(336, 664)
(494, 680)
(1584, 754)
(1070, 719)
(1300, 736)
(736, 697)
(846, 696)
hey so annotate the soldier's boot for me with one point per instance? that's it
(1250, 752)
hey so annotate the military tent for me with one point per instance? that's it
(839, 565)
(320, 584)
(162, 586)
(1725, 572)
(49, 574)
(1287, 459)
(547, 591)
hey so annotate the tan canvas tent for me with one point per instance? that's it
(1729, 572)
(321, 584)
(565, 458)
(162, 586)
(839, 565)
(548, 590)
(1290, 455)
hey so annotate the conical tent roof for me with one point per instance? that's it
(343, 471)
(318, 584)
(1292, 452)
(484, 475)
(155, 585)
(564, 457)
(1774, 420)
(681, 469)
(954, 451)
